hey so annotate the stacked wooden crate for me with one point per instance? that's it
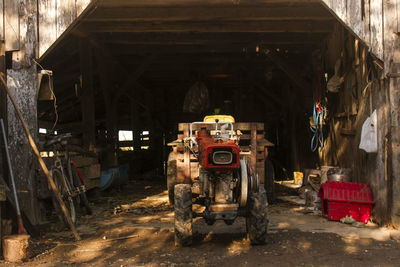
(252, 144)
(89, 168)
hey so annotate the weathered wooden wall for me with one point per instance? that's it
(364, 18)
(32, 26)
(392, 69)
(54, 18)
(376, 23)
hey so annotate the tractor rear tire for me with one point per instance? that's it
(256, 220)
(171, 177)
(183, 215)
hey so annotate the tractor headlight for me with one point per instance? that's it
(222, 157)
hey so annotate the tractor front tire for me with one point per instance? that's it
(183, 215)
(171, 177)
(256, 220)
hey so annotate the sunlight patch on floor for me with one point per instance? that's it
(238, 247)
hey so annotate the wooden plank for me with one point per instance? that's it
(201, 38)
(2, 20)
(248, 136)
(259, 164)
(66, 13)
(261, 174)
(11, 25)
(47, 11)
(211, 3)
(366, 21)
(243, 126)
(81, 161)
(398, 15)
(3, 94)
(90, 172)
(376, 28)
(354, 17)
(260, 155)
(180, 156)
(265, 12)
(187, 176)
(253, 147)
(80, 6)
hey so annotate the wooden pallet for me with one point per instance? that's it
(252, 133)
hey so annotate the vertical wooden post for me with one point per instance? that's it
(293, 141)
(186, 157)
(111, 155)
(394, 191)
(87, 97)
(392, 68)
(3, 104)
(253, 143)
(3, 114)
(22, 82)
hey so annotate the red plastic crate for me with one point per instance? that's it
(341, 198)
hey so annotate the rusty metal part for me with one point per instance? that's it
(224, 207)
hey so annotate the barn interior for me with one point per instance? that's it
(139, 69)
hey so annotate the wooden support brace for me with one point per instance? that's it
(282, 64)
(134, 76)
(186, 159)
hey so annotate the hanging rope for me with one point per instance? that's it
(317, 127)
(318, 112)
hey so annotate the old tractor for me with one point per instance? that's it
(207, 167)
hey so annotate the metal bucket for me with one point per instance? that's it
(324, 173)
(339, 174)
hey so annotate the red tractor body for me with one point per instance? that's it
(217, 154)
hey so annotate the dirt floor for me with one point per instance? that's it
(134, 227)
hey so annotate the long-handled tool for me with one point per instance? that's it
(21, 228)
(41, 162)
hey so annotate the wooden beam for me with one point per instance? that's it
(255, 26)
(175, 13)
(2, 21)
(3, 94)
(398, 15)
(293, 74)
(197, 3)
(11, 25)
(203, 38)
(224, 49)
(132, 78)
(265, 94)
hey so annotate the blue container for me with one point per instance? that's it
(114, 176)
